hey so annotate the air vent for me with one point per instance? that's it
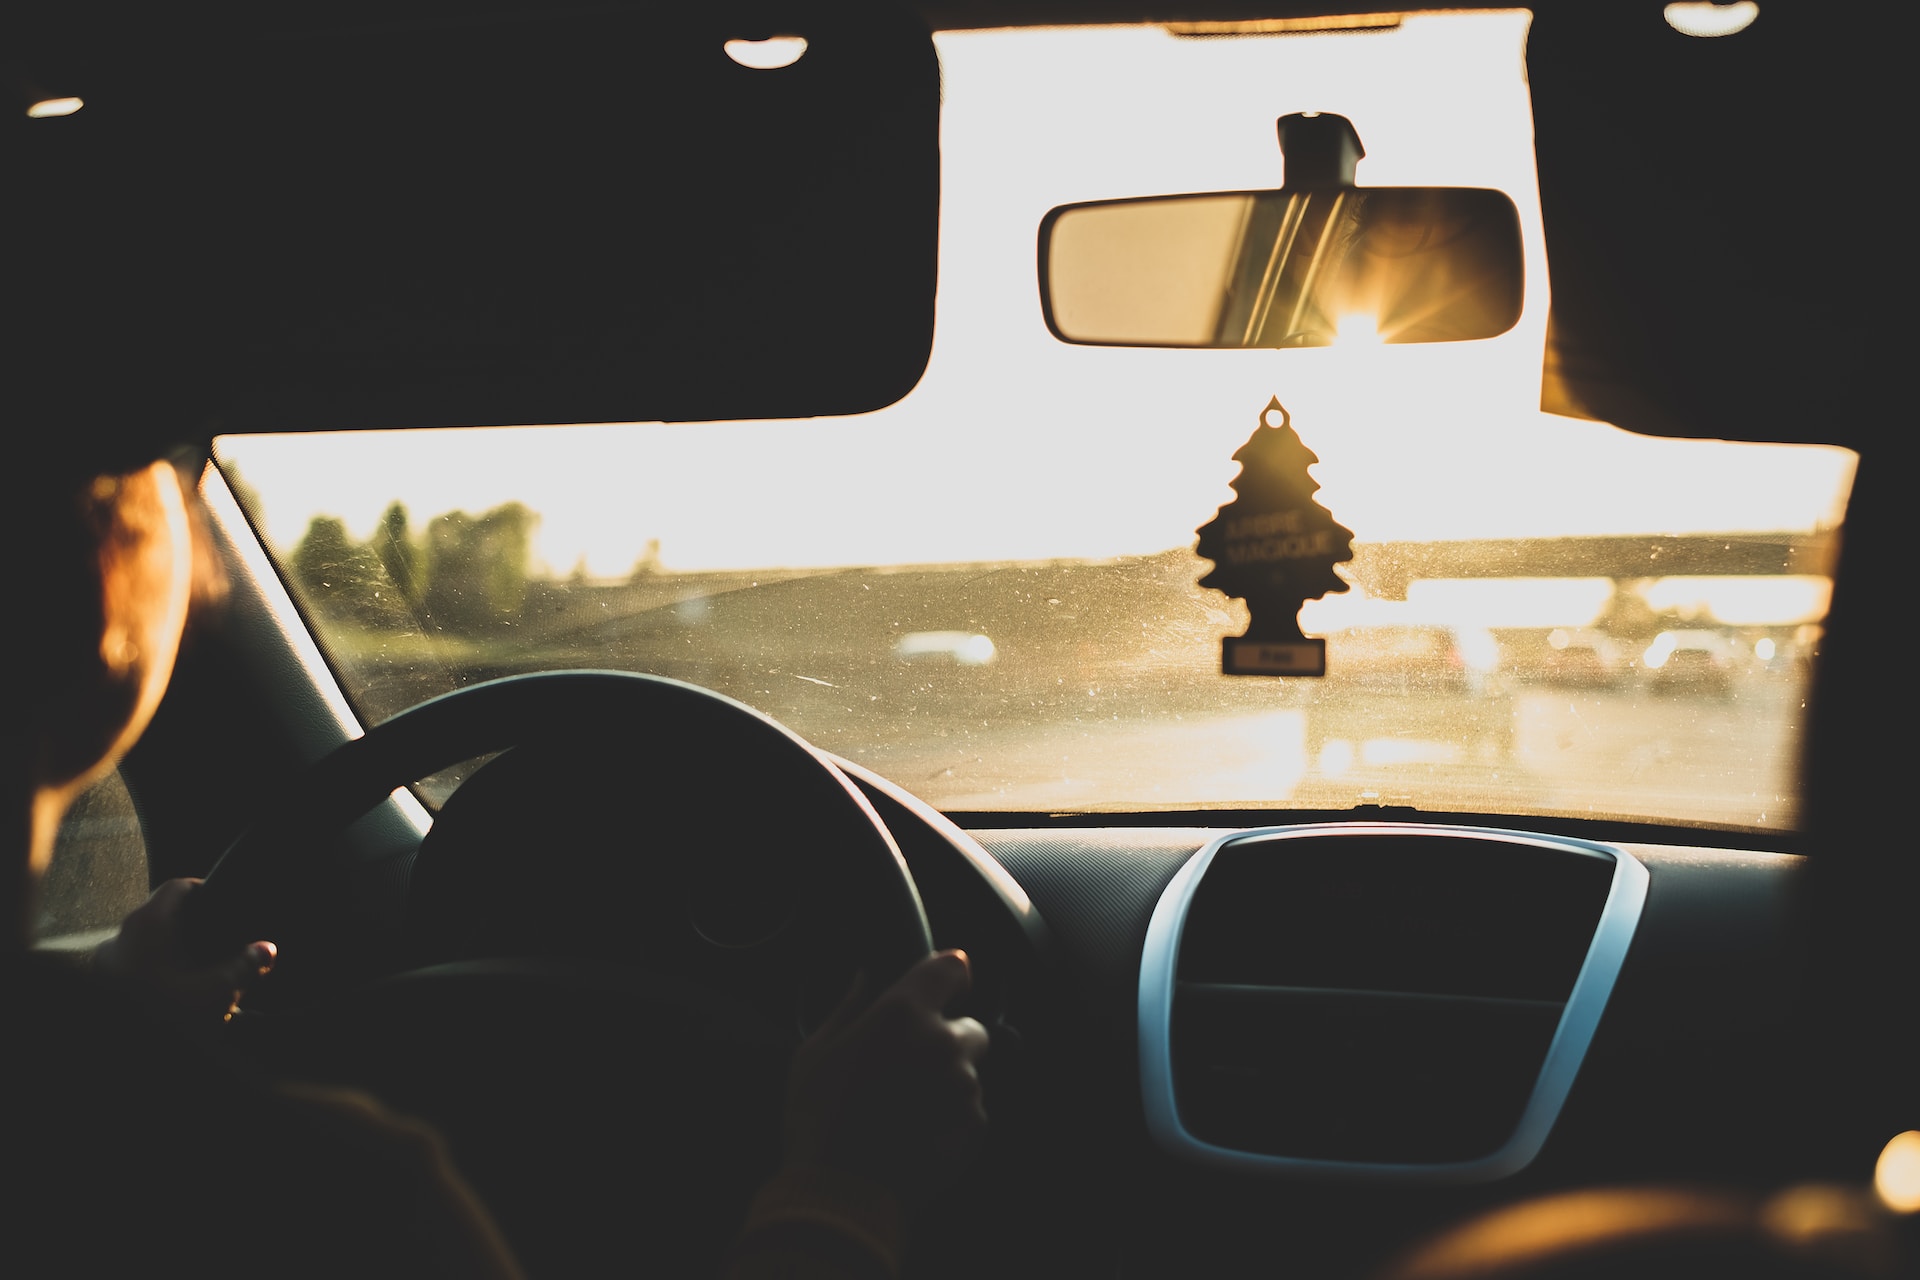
(1392, 1000)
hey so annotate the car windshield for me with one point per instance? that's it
(988, 591)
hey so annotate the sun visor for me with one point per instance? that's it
(411, 214)
(1722, 250)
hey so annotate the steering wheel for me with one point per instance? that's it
(581, 710)
(525, 1063)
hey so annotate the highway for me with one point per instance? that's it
(1683, 756)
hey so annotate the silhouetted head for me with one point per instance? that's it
(103, 561)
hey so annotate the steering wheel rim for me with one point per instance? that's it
(268, 861)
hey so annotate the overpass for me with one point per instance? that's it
(1385, 569)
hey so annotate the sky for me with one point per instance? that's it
(1016, 446)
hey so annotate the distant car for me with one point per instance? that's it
(1582, 657)
(1428, 692)
(1414, 659)
(1690, 659)
(958, 648)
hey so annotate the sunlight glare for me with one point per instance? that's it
(1358, 330)
(1756, 601)
(1386, 752)
(1659, 651)
(1336, 758)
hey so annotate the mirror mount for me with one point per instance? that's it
(1318, 150)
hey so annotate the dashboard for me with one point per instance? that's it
(1347, 1035)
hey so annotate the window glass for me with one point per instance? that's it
(99, 868)
(988, 591)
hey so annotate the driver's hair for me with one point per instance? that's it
(76, 537)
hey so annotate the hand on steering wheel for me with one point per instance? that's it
(888, 1090)
(539, 1045)
(148, 957)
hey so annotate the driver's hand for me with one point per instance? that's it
(147, 956)
(888, 1091)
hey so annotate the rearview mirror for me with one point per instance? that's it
(1283, 268)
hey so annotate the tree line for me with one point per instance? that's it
(460, 572)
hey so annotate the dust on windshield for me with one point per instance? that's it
(988, 592)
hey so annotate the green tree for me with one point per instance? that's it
(344, 580)
(404, 559)
(477, 566)
(324, 558)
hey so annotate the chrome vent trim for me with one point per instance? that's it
(1578, 1021)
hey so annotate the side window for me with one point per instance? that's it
(99, 868)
